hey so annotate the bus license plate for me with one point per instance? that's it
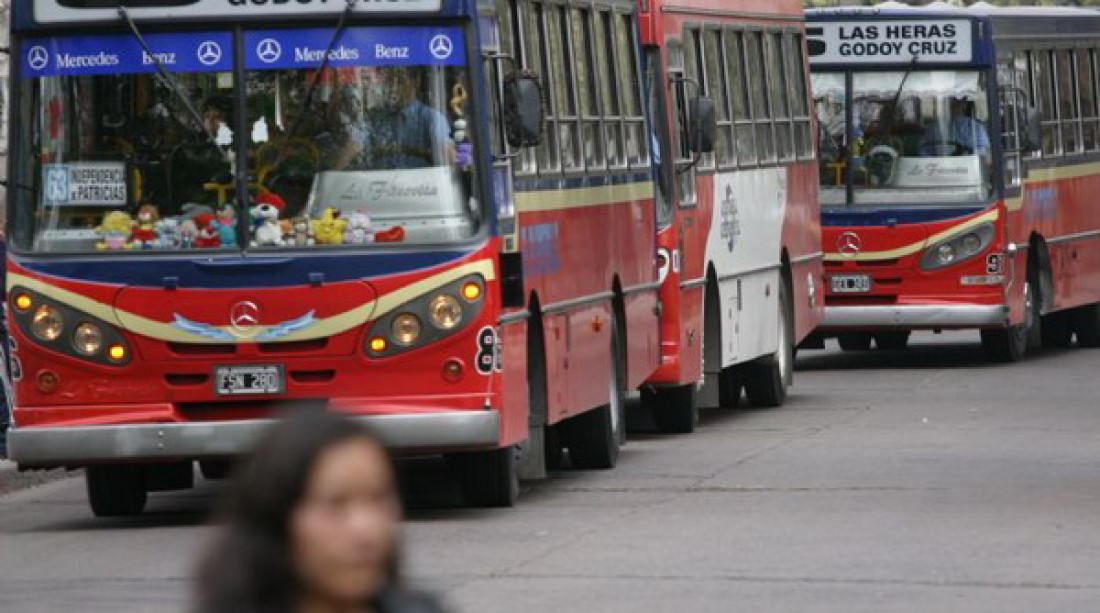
(248, 380)
(850, 284)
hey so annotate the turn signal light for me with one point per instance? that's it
(471, 292)
(116, 352)
(47, 382)
(24, 302)
(378, 344)
(452, 370)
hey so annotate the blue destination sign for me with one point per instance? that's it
(122, 54)
(367, 46)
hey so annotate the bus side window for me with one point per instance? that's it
(1086, 77)
(1042, 83)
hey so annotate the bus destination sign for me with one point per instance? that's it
(885, 42)
(83, 11)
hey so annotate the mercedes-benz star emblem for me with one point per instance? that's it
(38, 57)
(210, 53)
(849, 244)
(244, 317)
(441, 47)
(269, 50)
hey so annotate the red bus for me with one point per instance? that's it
(957, 167)
(408, 212)
(737, 194)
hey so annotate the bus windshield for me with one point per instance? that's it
(917, 137)
(370, 146)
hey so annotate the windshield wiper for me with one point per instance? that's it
(897, 95)
(308, 100)
(167, 78)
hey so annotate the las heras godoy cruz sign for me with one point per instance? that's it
(83, 11)
(877, 42)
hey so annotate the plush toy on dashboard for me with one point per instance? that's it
(188, 231)
(226, 225)
(191, 210)
(359, 231)
(329, 229)
(116, 229)
(301, 232)
(266, 230)
(144, 233)
(208, 237)
(168, 233)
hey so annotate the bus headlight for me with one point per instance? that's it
(445, 312)
(47, 323)
(406, 329)
(958, 248)
(88, 339)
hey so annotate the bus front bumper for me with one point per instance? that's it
(922, 316)
(59, 446)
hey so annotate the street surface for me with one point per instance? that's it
(923, 480)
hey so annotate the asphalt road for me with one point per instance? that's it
(923, 480)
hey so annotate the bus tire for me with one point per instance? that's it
(675, 409)
(1057, 330)
(767, 379)
(729, 387)
(594, 437)
(1011, 344)
(854, 341)
(489, 478)
(892, 341)
(1086, 323)
(116, 490)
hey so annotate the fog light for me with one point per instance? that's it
(405, 329)
(452, 370)
(87, 339)
(378, 344)
(471, 291)
(117, 353)
(47, 323)
(23, 302)
(445, 312)
(47, 382)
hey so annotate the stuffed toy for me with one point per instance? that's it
(192, 210)
(188, 231)
(116, 230)
(359, 231)
(208, 237)
(395, 234)
(226, 225)
(329, 229)
(265, 213)
(144, 233)
(168, 233)
(301, 232)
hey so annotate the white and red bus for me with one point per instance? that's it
(737, 196)
(434, 215)
(958, 165)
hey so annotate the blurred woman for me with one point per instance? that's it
(312, 527)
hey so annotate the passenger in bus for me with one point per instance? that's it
(405, 132)
(313, 524)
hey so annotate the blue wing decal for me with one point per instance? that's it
(201, 329)
(288, 327)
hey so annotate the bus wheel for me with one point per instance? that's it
(116, 490)
(489, 478)
(594, 437)
(675, 409)
(892, 341)
(767, 379)
(854, 341)
(1010, 344)
(1086, 323)
(1057, 330)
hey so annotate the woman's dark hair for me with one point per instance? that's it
(250, 568)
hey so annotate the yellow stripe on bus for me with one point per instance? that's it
(562, 199)
(1046, 175)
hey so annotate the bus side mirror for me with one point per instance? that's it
(702, 125)
(523, 112)
(1031, 136)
